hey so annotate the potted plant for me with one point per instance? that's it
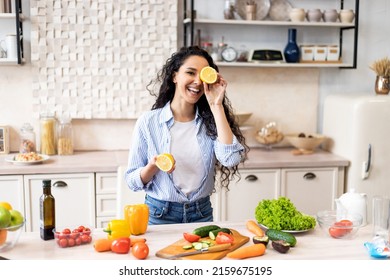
(382, 69)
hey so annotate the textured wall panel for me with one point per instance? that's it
(93, 59)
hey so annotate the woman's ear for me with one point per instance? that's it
(174, 77)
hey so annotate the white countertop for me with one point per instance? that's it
(108, 161)
(311, 245)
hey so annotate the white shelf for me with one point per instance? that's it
(270, 23)
(5, 61)
(284, 64)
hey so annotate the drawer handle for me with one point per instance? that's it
(60, 184)
(251, 178)
(309, 176)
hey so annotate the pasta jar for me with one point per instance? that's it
(27, 139)
(48, 124)
(65, 137)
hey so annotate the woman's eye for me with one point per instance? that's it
(191, 73)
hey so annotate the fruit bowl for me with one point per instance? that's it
(339, 227)
(9, 236)
(305, 142)
(72, 236)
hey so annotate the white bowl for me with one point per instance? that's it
(242, 117)
(308, 143)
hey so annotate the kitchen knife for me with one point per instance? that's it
(211, 249)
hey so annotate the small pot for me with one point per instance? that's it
(314, 15)
(330, 15)
(297, 14)
(347, 16)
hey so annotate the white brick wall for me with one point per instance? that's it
(93, 59)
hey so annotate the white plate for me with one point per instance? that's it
(18, 162)
(280, 10)
(262, 8)
(289, 231)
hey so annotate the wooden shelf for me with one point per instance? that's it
(285, 64)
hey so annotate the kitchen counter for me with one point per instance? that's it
(108, 161)
(311, 245)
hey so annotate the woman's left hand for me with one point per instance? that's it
(215, 92)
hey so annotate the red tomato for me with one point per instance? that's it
(71, 242)
(81, 228)
(63, 243)
(87, 231)
(66, 231)
(337, 232)
(223, 237)
(140, 250)
(347, 224)
(78, 241)
(190, 237)
(120, 245)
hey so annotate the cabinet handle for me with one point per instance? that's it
(251, 178)
(60, 184)
(309, 176)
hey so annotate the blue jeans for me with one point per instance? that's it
(165, 212)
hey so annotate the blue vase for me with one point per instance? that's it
(291, 51)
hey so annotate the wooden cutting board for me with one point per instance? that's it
(177, 248)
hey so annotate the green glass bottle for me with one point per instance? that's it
(47, 212)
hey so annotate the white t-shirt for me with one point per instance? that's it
(189, 169)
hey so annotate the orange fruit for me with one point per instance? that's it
(165, 162)
(3, 236)
(6, 205)
(208, 75)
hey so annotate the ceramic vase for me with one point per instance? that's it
(291, 51)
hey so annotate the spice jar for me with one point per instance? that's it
(27, 139)
(65, 137)
(48, 133)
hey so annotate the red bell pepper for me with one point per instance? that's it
(121, 245)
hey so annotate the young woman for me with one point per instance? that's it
(194, 122)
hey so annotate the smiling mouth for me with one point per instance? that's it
(194, 90)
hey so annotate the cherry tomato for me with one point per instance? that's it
(120, 245)
(81, 228)
(190, 237)
(140, 250)
(71, 242)
(66, 231)
(63, 242)
(85, 238)
(78, 241)
(86, 231)
(223, 237)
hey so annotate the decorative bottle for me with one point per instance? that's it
(47, 212)
(291, 51)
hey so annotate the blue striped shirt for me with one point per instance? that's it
(151, 137)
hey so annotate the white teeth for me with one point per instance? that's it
(194, 90)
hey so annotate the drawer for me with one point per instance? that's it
(106, 183)
(105, 205)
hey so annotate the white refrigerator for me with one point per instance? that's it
(358, 129)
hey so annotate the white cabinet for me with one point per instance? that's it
(74, 200)
(314, 189)
(11, 190)
(310, 189)
(239, 203)
(106, 184)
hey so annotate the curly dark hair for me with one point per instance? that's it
(167, 91)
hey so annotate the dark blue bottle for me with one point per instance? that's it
(291, 51)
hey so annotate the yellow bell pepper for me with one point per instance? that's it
(117, 229)
(137, 216)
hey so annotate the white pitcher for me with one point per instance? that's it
(352, 203)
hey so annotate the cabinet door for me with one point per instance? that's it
(11, 191)
(74, 203)
(311, 190)
(106, 184)
(239, 203)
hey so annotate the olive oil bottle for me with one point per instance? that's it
(47, 212)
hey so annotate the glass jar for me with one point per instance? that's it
(48, 133)
(27, 139)
(65, 137)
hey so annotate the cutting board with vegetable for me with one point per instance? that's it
(177, 248)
